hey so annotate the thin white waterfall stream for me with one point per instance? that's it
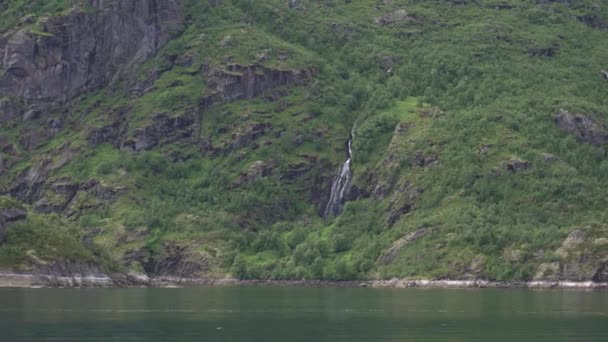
(340, 185)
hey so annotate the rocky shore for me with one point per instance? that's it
(22, 280)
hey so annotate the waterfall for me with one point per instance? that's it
(340, 184)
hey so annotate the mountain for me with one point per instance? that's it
(305, 139)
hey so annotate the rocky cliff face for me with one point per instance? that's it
(82, 50)
(237, 82)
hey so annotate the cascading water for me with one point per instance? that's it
(341, 184)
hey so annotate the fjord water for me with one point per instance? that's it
(302, 314)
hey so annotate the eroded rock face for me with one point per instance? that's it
(394, 17)
(391, 254)
(515, 164)
(107, 134)
(403, 202)
(580, 259)
(163, 130)
(3, 165)
(178, 261)
(593, 21)
(10, 215)
(27, 187)
(585, 129)
(237, 82)
(10, 109)
(83, 50)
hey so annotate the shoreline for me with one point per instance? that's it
(24, 280)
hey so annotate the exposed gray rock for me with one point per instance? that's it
(246, 136)
(422, 160)
(601, 275)
(294, 3)
(84, 49)
(3, 165)
(163, 130)
(585, 129)
(53, 127)
(516, 165)
(32, 114)
(255, 171)
(178, 261)
(27, 187)
(580, 259)
(10, 109)
(485, 148)
(474, 269)
(391, 254)
(66, 197)
(237, 82)
(107, 134)
(403, 202)
(575, 239)
(394, 17)
(593, 21)
(8, 216)
(549, 158)
(388, 62)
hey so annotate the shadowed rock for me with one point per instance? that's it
(585, 129)
(237, 82)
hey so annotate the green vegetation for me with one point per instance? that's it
(28, 11)
(473, 87)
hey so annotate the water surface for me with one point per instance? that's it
(302, 314)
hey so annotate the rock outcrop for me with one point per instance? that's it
(593, 21)
(403, 202)
(394, 17)
(163, 130)
(10, 109)
(581, 257)
(8, 215)
(516, 164)
(178, 261)
(68, 198)
(84, 49)
(391, 254)
(585, 129)
(236, 82)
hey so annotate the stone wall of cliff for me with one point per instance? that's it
(82, 50)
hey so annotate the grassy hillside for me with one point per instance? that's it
(460, 168)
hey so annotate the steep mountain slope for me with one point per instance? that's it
(197, 138)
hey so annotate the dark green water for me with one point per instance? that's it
(302, 314)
